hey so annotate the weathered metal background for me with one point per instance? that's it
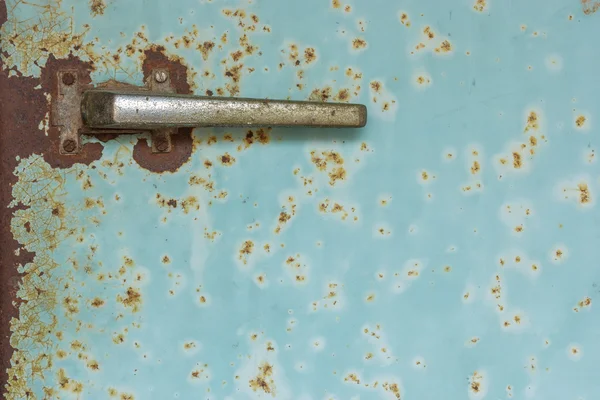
(447, 250)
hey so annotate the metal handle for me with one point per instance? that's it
(114, 109)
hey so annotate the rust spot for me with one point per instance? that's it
(206, 48)
(310, 55)
(132, 299)
(246, 251)
(479, 5)
(404, 20)
(320, 94)
(227, 160)
(590, 6)
(393, 388)
(519, 229)
(336, 4)
(359, 44)
(264, 380)
(97, 302)
(445, 47)
(97, 7)
(475, 382)
(584, 193)
(261, 136)
(353, 378)
(517, 160)
(580, 121)
(236, 55)
(532, 121)
(376, 86)
(343, 95)
(428, 32)
(421, 80)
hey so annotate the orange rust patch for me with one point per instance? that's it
(263, 380)
(584, 193)
(97, 302)
(132, 299)
(480, 5)
(320, 94)
(246, 251)
(97, 7)
(532, 121)
(445, 47)
(475, 382)
(586, 302)
(517, 160)
(580, 121)
(404, 20)
(590, 6)
(359, 44)
(421, 80)
(310, 55)
(393, 388)
(376, 86)
(227, 160)
(428, 32)
(343, 95)
(261, 136)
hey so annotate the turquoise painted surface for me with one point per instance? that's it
(447, 250)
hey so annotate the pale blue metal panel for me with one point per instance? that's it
(447, 250)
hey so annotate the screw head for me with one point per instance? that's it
(69, 145)
(68, 78)
(162, 145)
(160, 76)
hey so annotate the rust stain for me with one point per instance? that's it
(97, 7)
(584, 193)
(227, 159)
(246, 251)
(445, 47)
(23, 105)
(263, 380)
(404, 20)
(155, 57)
(359, 44)
(480, 5)
(590, 6)
(393, 388)
(3, 12)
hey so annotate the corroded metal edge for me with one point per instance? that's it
(23, 105)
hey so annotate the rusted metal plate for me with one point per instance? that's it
(447, 250)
